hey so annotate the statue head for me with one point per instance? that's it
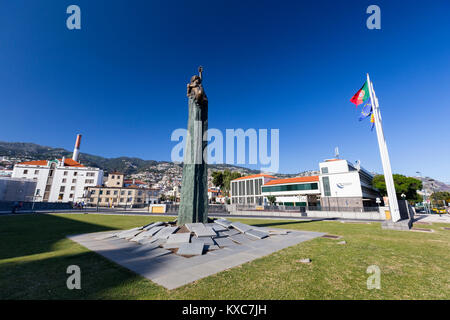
(196, 80)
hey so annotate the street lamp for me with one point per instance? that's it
(427, 209)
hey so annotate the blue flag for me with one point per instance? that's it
(366, 109)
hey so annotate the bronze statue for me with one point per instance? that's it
(195, 89)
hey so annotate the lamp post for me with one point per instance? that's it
(427, 209)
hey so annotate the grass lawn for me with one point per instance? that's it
(34, 256)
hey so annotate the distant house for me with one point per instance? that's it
(114, 193)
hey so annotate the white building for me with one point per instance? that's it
(60, 180)
(343, 184)
(247, 190)
(339, 184)
(297, 191)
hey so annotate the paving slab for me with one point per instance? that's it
(258, 234)
(223, 222)
(224, 242)
(242, 227)
(242, 238)
(165, 232)
(152, 225)
(190, 226)
(191, 249)
(204, 240)
(204, 231)
(179, 238)
(228, 233)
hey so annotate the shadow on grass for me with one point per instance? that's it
(47, 279)
(25, 235)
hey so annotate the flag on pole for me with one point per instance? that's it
(363, 97)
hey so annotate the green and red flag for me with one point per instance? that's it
(361, 96)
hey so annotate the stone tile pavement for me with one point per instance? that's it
(172, 271)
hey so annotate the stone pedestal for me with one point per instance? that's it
(194, 188)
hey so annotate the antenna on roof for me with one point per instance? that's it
(336, 152)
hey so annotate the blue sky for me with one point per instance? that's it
(291, 65)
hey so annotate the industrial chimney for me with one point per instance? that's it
(76, 150)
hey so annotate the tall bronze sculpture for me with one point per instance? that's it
(194, 187)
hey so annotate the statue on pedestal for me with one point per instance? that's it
(194, 187)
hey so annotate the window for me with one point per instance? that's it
(101, 192)
(65, 173)
(62, 189)
(61, 195)
(291, 187)
(140, 193)
(90, 174)
(108, 192)
(325, 170)
(121, 199)
(89, 181)
(122, 193)
(129, 193)
(36, 171)
(112, 177)
(75, 173)
(64, 180)
(71, 196)
(72, 188)
(115, 192)
(25, 171)
(74, 180)
(118, 183)
(326, 186)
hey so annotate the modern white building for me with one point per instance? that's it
(344, 184)
(339, 184)
(59, 180)
(297, 191)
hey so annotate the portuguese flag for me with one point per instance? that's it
(361, 96)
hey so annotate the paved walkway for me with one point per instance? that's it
(172, 271)
(433, 218)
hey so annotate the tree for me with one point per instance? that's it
(403, 185)
(272, 199)
(222, 179)
(162, 198)
(440, 196)
(217, 178)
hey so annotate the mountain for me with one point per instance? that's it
(31, 151)
(431, 185)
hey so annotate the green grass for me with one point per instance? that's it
(34, 256)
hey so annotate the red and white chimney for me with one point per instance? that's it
(76, 150)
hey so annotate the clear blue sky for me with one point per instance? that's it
(293, 65)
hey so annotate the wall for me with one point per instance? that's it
(16, 189)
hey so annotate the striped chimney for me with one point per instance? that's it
(76, 150)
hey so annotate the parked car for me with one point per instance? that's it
(439, 210)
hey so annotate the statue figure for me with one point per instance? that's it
(194, 187)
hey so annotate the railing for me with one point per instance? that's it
(250, 207)
(345, 209)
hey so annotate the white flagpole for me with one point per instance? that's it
(390, 187)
